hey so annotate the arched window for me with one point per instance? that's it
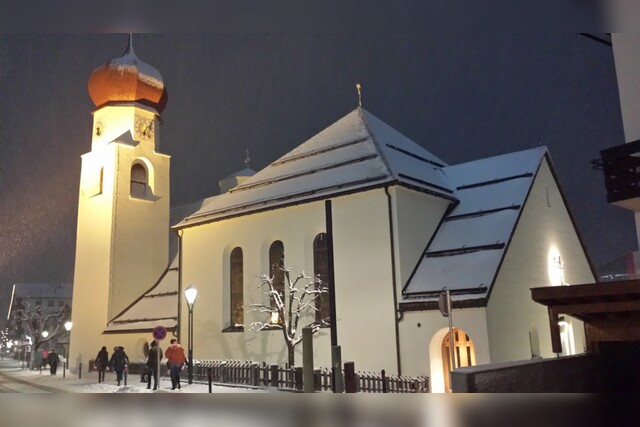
(276, 266)
(138, 180)
(236, 288)
(321, 270)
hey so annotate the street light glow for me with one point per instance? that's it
(45, 334)
(190, 294)
(67, 325)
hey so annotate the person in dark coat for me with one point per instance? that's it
(102, 362)
(118, 362)
(53, 359)
(153, 362)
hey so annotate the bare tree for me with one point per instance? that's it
(34, 320)
(302, 296)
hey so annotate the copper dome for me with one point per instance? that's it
(127, 79)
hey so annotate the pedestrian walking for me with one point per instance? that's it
(118, 362)
(153, 363)
(53, 359)
(101, 363)
(176, 360)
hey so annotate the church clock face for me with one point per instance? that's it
(99, 129)
(144, 128)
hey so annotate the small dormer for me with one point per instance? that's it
(233, 180)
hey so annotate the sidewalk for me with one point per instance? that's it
(89, 382)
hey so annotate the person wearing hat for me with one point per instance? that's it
(118, 362)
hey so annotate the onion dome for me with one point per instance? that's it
(127, 79)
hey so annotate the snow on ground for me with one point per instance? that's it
(70, 383)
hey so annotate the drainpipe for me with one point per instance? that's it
(393, 280)
(179, 326)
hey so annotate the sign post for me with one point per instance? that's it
(444, 304)
(159, 333)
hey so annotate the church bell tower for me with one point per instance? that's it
(123, 210)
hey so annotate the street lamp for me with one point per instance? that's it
(190, 294)
(45, 334)
(67, 325)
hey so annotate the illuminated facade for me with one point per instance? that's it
(405, 226)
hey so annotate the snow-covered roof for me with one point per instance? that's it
(468, 247)
(356, 152)
(43, 290)
(159, 305)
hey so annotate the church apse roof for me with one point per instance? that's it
(466, 251)
(355, 153)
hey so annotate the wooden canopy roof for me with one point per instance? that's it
(610, 310)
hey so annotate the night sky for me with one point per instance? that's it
(462, 97)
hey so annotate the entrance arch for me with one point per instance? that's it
(440, 356)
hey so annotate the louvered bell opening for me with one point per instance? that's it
(138, 181)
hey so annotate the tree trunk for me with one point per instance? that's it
(291, 351)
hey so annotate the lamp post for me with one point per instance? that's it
(190, 295)
(67, 325)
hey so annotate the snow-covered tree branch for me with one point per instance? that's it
(34, 320)
(286, 310)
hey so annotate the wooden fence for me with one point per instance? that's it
(253, 374)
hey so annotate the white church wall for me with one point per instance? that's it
(544, 227)
(364, 289)
(92, 261)
(364, 297)
(206, 250)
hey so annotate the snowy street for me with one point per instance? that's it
(13, 379)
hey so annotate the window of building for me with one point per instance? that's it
(321, 271)
(51, 303)
(236, 288)
(276, 266)
(138, 180)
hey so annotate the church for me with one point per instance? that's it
(359, 205)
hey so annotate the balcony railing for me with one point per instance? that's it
(621, 167)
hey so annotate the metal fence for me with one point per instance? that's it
(254, 374)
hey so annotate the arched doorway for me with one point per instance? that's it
(463, 352)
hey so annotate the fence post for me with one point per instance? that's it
(298, 379)
(274, 375)
(209, 378)
(350, 385)
(126, 374)
(337, 380)
(317, 380)
(385, 388)
(223, 372)
(80, 370)
(64, 369)
(307, 359)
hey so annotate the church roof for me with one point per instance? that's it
(355, 153)
(466, 251)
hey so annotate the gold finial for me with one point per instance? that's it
(247, 159)
(359, 95)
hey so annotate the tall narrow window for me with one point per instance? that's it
(321, 271)
(138, 180)
(276, 266)
(237, 306)
(101, 179)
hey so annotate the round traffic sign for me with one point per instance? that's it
(159, 332)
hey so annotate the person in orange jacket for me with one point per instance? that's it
(176, 361)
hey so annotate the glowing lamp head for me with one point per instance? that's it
(67, 325)
(190, 295)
